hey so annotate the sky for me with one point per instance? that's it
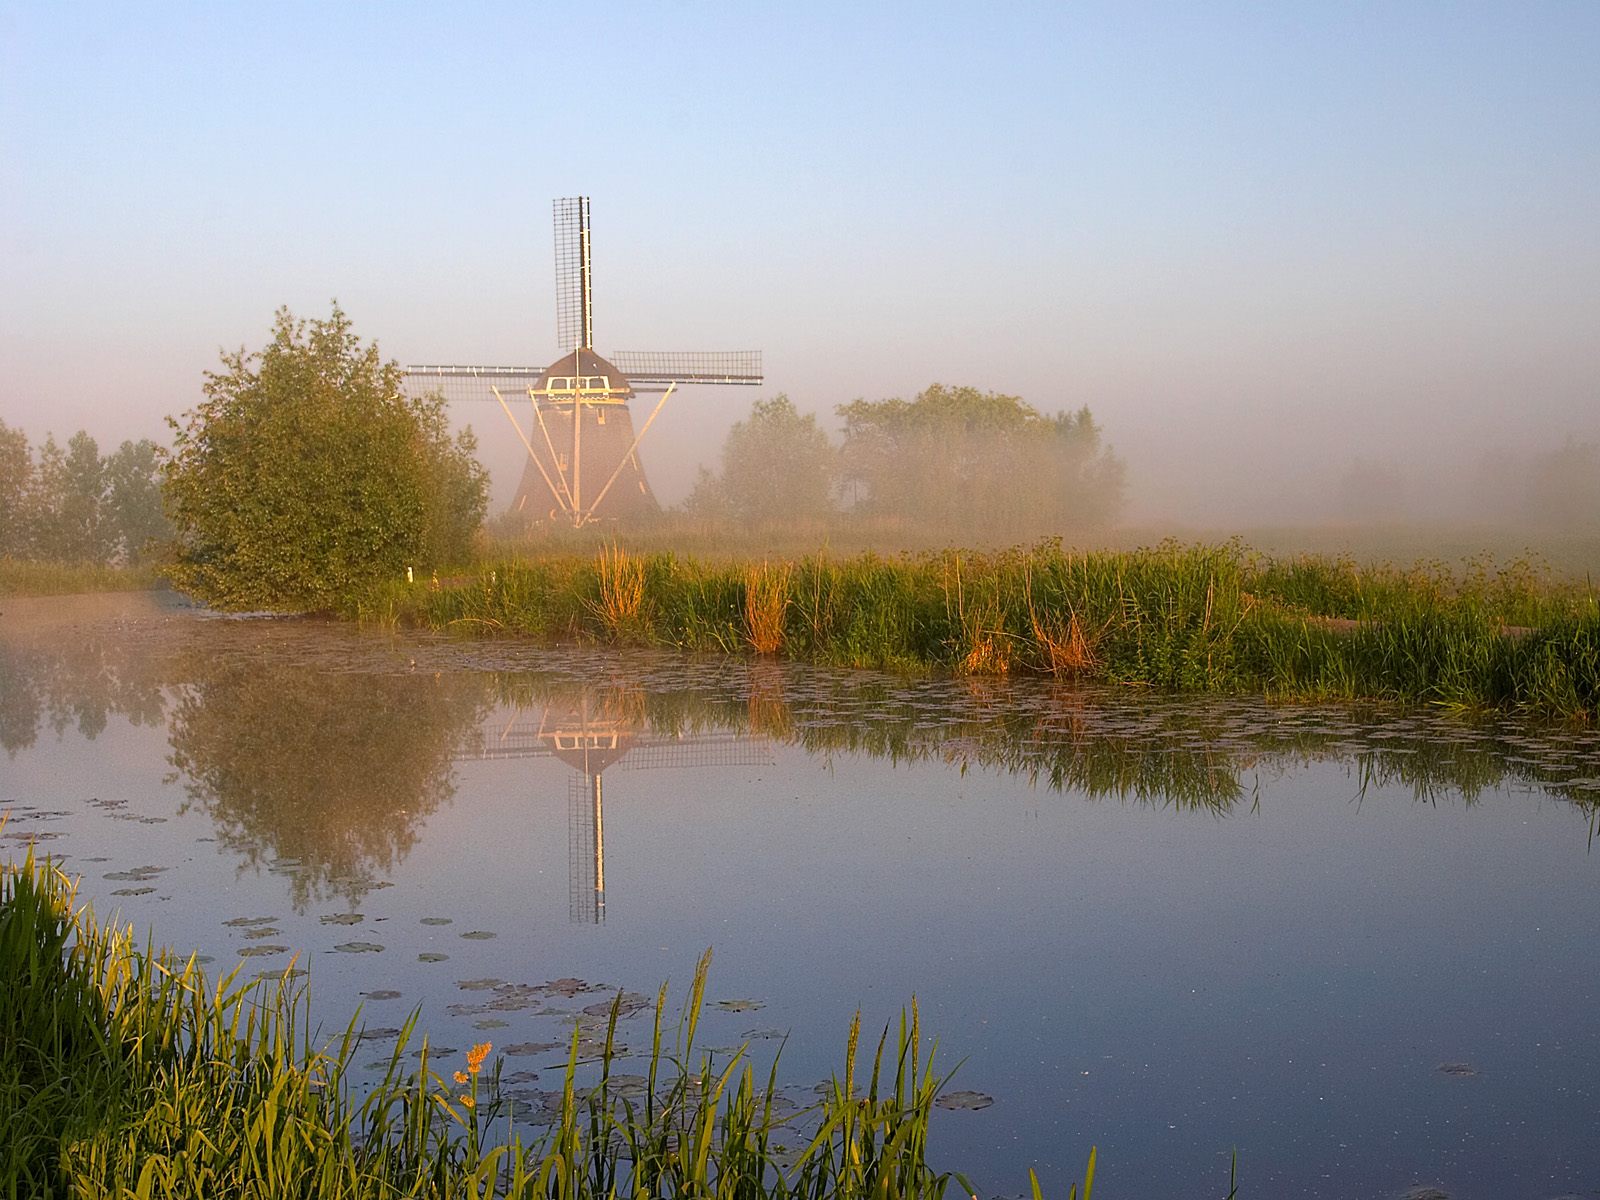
(1261, 242)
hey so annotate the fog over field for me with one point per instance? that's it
(1304, 264)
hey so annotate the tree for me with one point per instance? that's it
(306, 475)
(776, 465)
(980, 462)
(16, 488)
(133, 500)
(69, 517)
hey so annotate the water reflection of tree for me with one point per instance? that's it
(326, 775)
(1173, 752)
(75, 682)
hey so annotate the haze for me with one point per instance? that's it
(1270, 247)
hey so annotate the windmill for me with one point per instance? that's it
(592, 732)
(583, 461)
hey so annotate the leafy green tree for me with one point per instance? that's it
(306, 475)
(777, 465)
(979, 462)
(16, 488)
(68, 501)
(133, 499)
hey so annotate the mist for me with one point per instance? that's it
(1304, 267)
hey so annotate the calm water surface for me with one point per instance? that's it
(1360, 948)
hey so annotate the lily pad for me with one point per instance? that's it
(431, 957)
(478, 985)
(568, 987)
(519, 1049)
(438, 921)
(478, 935)
(262, 931)
(138, 891)
(260, 951)
(1458, 1070)
(135, 874)
(740, 1005)
(964, 1101)
(246, 922)
(358, 948)
(382, 994)
(341, 918)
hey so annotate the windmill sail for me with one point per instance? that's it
(690, 366)
(574, 300)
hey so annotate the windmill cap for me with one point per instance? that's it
(587, 364)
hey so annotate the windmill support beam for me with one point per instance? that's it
(639, 437)
(526, 444)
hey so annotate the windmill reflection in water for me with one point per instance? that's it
(594, 733)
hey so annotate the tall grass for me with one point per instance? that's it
(28, 578)
(126, 1072)
(1192, 618)
(766, 601)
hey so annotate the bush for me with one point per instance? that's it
(305, 476)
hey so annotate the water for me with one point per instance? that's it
(1357, 947)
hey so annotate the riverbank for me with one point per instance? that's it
(1184, 618)
(130, 1072)
(19, 577)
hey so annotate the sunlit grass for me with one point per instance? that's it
(1185, 618)
(27, 578)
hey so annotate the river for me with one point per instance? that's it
(1355, 945)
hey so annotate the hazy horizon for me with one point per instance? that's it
(1270, 250)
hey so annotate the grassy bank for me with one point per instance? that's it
(28, 578)
(1193, 618)
(126, 1072)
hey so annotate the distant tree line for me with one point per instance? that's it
(71, 504)
(954, 458)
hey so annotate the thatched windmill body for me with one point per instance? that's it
(582, 447)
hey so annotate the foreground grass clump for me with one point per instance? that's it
(124, 1072)
(1193, 618)
(20, 577)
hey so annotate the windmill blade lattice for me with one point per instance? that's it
(581, 445)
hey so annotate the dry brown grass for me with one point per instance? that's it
(1067, 649)
(621, 589)
(766, 600)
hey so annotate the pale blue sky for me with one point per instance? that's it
(1254, 239)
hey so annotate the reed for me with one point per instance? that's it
(1212, 618)
(766, 601)
(127, 1072)
(621, 584)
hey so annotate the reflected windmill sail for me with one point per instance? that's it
(593, 732)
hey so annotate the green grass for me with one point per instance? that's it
(28, 578)
(1214, 618)
(125, 1072)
